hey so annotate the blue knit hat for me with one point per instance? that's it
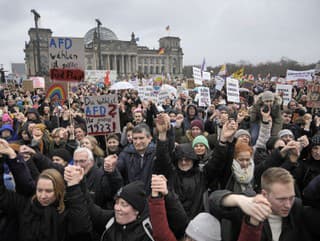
(200, 140)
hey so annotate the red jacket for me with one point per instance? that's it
(158, 216)
(249, 232)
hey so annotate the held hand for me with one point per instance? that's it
(5, 149)
(162, 124)
(110, 163)
(266, 115)
(179, 120)
(73, 175)
(26, 149)
(159, 185)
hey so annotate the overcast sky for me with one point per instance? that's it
(222, 31)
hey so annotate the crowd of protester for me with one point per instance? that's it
(177, 171)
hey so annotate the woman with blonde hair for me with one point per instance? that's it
(91, 143)
(55, 212)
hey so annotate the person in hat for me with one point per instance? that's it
(201, 148)
(128, 219)
(267, 101)
(181, 167)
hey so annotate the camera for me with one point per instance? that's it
(265, 109)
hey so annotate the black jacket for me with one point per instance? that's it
(293, 226)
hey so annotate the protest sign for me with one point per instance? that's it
(27, 85)
(162, 96)
(219, 82)
(66, 59)
(296, 75)
(287, 92)
(197, 76)
(313, 96)
(38, 82)
(204, 96)
(102, 114)
(98, 76)
(233, 90)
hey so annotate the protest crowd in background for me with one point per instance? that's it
(227, 160)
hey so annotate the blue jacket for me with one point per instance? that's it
(133, 166)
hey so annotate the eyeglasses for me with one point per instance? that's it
(79, 161)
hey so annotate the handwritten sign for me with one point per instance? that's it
(102, 114)
(38, 82)
(98, 76)
(287, 92)
(204, 96)
(233, 94)
(66, 58)
(313, 96)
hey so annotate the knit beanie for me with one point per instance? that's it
(62, 153)
(6, 118)
(200, 140)
(241, 132)
(197, 123)
(267, 95)
(204, 227)
(134, 194)
(315, 140)
(285, 132)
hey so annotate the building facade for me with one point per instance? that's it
(126, 57)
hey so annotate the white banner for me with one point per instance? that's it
(287, 92)
(206, 76)
(296, 75)
(102, 114)
(204, 96)
(233, 90)
(97, 76)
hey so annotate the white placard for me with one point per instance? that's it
(296, 75)
(102, 114)
(206, 76)
(233, 90)
(204, 96)
(97, 76)
(287, 92)
(197, 76)
(219, 82)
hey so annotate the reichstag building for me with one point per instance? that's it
(126, 57)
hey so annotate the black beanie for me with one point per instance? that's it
(134, 194)
(62, 153)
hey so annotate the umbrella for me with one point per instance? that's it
(169, 88)
(244, 90)
(122, 85)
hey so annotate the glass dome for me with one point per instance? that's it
(105, 34)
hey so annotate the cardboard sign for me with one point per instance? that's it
(313, 96)
(27, 85)
(287, 92)
(102, 114)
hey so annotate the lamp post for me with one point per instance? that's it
(36, 18)
(99, 43)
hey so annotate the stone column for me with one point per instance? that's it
(108, 62)
(129, 72)
(122, 64)
(114, 62)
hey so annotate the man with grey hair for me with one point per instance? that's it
(98, 181)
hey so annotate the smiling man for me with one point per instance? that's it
(136, 161)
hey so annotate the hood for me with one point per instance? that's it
(186, 150)
(188, 107)
(6, 127)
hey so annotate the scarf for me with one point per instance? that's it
(243, 176)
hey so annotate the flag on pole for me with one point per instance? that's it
(203, 66)
(238, 74)
(168, 28)
(223, 70)
(161, 51)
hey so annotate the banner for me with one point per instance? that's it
(313, 96)
(204, 96)
(98, 76)
(102, 114)
(233, 90)
(38, 82)
(296, 75)
(66, 59)
(287, 92)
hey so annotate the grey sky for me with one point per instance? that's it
(219, 30)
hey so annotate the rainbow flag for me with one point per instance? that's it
(161, 51)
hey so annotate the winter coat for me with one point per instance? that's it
(38, 222)
(133, 166)
(104, 223)
(293, 227)
(249, 232)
